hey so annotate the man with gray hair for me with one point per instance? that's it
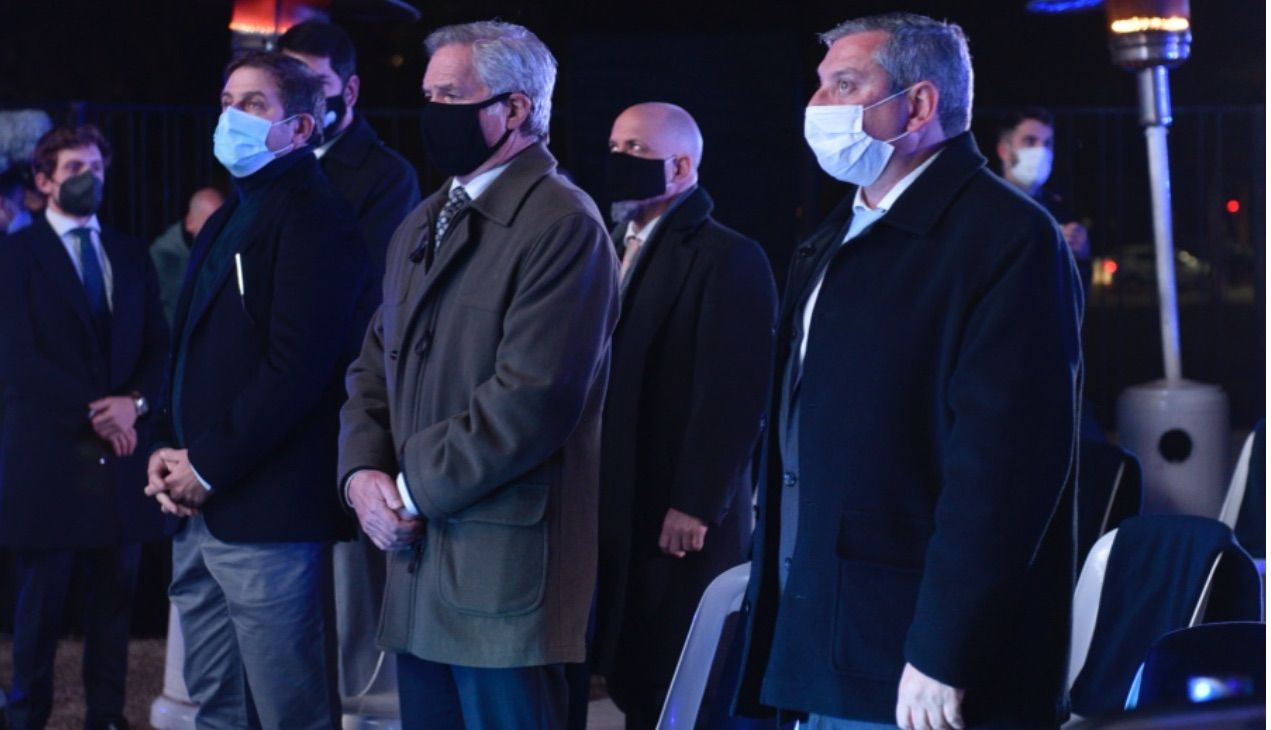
(913, 557)
(470, 441)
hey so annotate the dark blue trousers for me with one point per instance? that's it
(44, 580)
(437, 696)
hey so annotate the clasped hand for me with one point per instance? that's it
(171, 480)
(113, 419)
(374, 497)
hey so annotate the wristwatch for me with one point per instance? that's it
(143, 405)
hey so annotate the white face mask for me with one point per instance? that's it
(239, 142)
(843, 148)
(1032, 166)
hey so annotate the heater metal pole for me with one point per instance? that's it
(1155, 115)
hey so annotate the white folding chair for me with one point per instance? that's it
(1239, 483)
(684, 698)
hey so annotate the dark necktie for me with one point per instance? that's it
(94, 283)
(454, 205)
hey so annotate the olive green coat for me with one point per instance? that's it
(482, 381)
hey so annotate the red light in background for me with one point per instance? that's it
(1110, 266)
(1233, 206)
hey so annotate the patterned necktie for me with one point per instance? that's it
(629, 256)
(457, 201)
(94, 283)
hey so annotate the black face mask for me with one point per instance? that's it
(335, 114)
(633, 178)
(80, 194)
(452, 135)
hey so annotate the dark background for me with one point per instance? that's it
(149, 72)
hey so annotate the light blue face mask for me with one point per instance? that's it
(239, 142)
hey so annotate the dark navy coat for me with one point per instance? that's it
(262, 381)
(937, 447)
(61, 485)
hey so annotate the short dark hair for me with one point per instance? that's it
(67, 137)
(299, 88)
(1018, 116)
(325, 40)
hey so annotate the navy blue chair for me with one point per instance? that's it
(1205, 663)
(1152, 575)
(1109, 491)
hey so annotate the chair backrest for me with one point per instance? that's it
(1239, 484)
(1109, 490)
(1201, 664)
(1085, 603)
(1244, 508)
(1153, 575)
(684, 697)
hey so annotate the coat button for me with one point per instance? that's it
(392, 355)
(788, 562)
(789, 479)
(806, 251)
(763, 422)
(101, 460)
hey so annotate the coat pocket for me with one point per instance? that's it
(879, 572)
(493, 556)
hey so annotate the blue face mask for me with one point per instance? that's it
(239, 142)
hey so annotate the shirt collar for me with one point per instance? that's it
(642, 233)
(892, 195)
(478, 184)
(63, 224)
(322, 149)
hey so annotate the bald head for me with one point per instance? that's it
(203, 204)
(663, 130)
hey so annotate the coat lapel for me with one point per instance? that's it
(496, 206)
(62, 279)
(657, 279)
(198, 254)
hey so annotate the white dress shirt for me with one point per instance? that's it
(860, 210)
(62, 226)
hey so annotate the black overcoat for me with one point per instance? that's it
(937, 452)
(692, 361)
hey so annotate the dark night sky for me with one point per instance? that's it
(171, 52)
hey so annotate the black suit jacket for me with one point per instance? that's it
(936, 455)
(692, 359)
(262, 381)
(380, 186)
(60, 484)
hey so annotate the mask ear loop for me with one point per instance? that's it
(884, 101)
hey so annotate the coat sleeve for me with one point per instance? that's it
(366, 437)
(732, 370)
(1012, 400)
(319, 272)
(554, 347)
(23, 369)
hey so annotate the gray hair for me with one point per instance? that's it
(921, 49)
(508, 57)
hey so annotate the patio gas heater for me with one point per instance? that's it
(1178, 428)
